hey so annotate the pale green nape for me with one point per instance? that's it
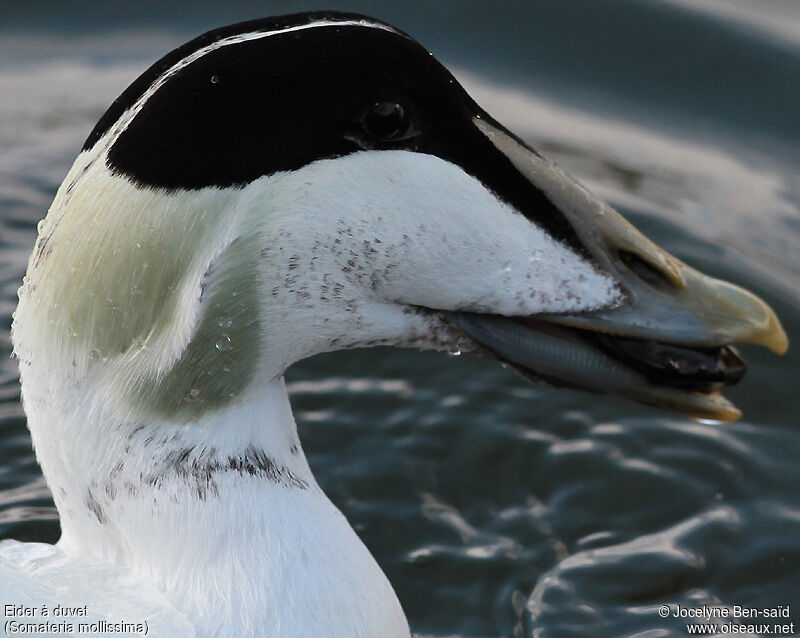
(114, 283)
(220, 360)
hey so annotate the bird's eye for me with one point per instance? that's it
(388, 121)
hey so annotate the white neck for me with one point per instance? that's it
(223, 515)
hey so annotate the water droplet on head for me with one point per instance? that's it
(214, 79)
(225, 322)
(192, 396)
(454, 352)
(94, 353)
(223, 343)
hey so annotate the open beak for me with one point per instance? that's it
(667, 344)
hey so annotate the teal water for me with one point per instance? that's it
(498, 508)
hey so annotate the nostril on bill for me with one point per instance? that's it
(646, 271)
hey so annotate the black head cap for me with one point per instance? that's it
(272, 95)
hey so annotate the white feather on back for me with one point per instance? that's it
(37, 575)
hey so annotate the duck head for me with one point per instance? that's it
(319, 181)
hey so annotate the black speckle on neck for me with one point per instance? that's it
(94, 506)
(201, 470)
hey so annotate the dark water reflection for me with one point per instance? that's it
(496, 507)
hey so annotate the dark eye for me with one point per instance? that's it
(388, 121)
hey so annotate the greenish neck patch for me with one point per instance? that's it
(120, 293)
(220, 360)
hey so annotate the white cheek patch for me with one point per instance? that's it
(415, 229)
